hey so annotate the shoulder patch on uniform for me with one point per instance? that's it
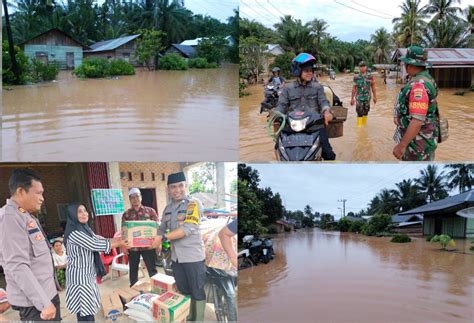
(192, 213)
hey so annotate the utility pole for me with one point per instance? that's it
(343, 206)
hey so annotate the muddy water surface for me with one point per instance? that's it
(162, 115)
(372, 142)
(331, 277)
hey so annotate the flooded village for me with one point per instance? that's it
(335, 262)
(135, 87)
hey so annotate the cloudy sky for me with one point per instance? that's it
(348, 20)
(322, 185)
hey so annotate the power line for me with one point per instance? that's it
(367, 13)
(257, 13)
(268, 1)
(361, 5)
(278, 18)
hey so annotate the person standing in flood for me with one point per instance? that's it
(362, 91)
(416, 111)
(25, 253)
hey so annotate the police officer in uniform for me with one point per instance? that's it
(364, 85)
(25, 254)
(416, 111)
(183, 217)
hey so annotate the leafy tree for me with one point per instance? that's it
(344, 224)
(8, 77)
(212, 49)
(432, 184)
(410, 25)
(250, 211)
(283, 61)
(377, 224)
(149, 45)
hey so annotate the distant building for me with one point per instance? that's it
(118, 48)
(281, 225)
(194, 42)
(452, 67)
(182, 50)
(274, 49)
(443, 216)
(55, 46)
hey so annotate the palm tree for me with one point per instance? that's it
(294, 36)
(172, 18)
(410, 25)
(460, 176)
(11, 46)
(469, 14)
(447, 33)
(383, 203)
(318, 29)
(432, 184)
(381, 42)
(407, 195)
(443, 9)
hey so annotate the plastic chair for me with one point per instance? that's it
(117, 266)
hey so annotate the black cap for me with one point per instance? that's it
(176, 178)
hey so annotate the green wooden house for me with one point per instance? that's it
(444, 216)
(55, 46)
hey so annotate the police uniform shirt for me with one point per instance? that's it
(186, 215)
(25, 258)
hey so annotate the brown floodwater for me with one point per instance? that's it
(162, 115)
(372, 142)
(319, 276)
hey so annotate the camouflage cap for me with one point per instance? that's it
(362, 63)
(416, 56)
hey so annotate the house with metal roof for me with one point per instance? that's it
(194, 42)
(451, 67)
(182, 50)
(118, 48)
(411, 225)
(55, 46)
(446, 216)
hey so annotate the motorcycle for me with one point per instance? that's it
(256, 250)
(297, 135)
(164, 258)
(220, 290)
(271, 93)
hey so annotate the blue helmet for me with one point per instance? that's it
(300, 61)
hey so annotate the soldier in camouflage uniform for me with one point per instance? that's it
(364, 83)
(416, 111)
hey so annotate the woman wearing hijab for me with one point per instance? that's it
(84, 263)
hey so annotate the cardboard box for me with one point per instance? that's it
(127, 294)
(171, 307)
(161, 284)
(140, 234)
(112, 306)
(142, 286)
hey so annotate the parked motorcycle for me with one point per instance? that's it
(256, 251)
(220, 290)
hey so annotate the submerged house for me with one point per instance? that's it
(446, 216)
(282, 224)
(118, 48)
(55, 46)
(184, 51)
(451, 67)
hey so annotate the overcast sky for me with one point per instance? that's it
(348, 20)
(322, 185)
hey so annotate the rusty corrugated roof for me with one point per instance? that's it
(445, 56)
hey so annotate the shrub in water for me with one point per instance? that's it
(356, 226)
(172, 61)
(344, 224)
(444, 240)
(428, 238)
(401, 238)
(198, 62)
(121, 67)
(40, 71)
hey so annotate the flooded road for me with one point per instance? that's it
(372, 142)
(163, 115)
(321, 276)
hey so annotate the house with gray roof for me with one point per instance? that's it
(118, 48)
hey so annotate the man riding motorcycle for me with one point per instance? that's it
(306, 94)
(272, 90)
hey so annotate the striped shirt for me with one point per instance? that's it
(82, 292)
